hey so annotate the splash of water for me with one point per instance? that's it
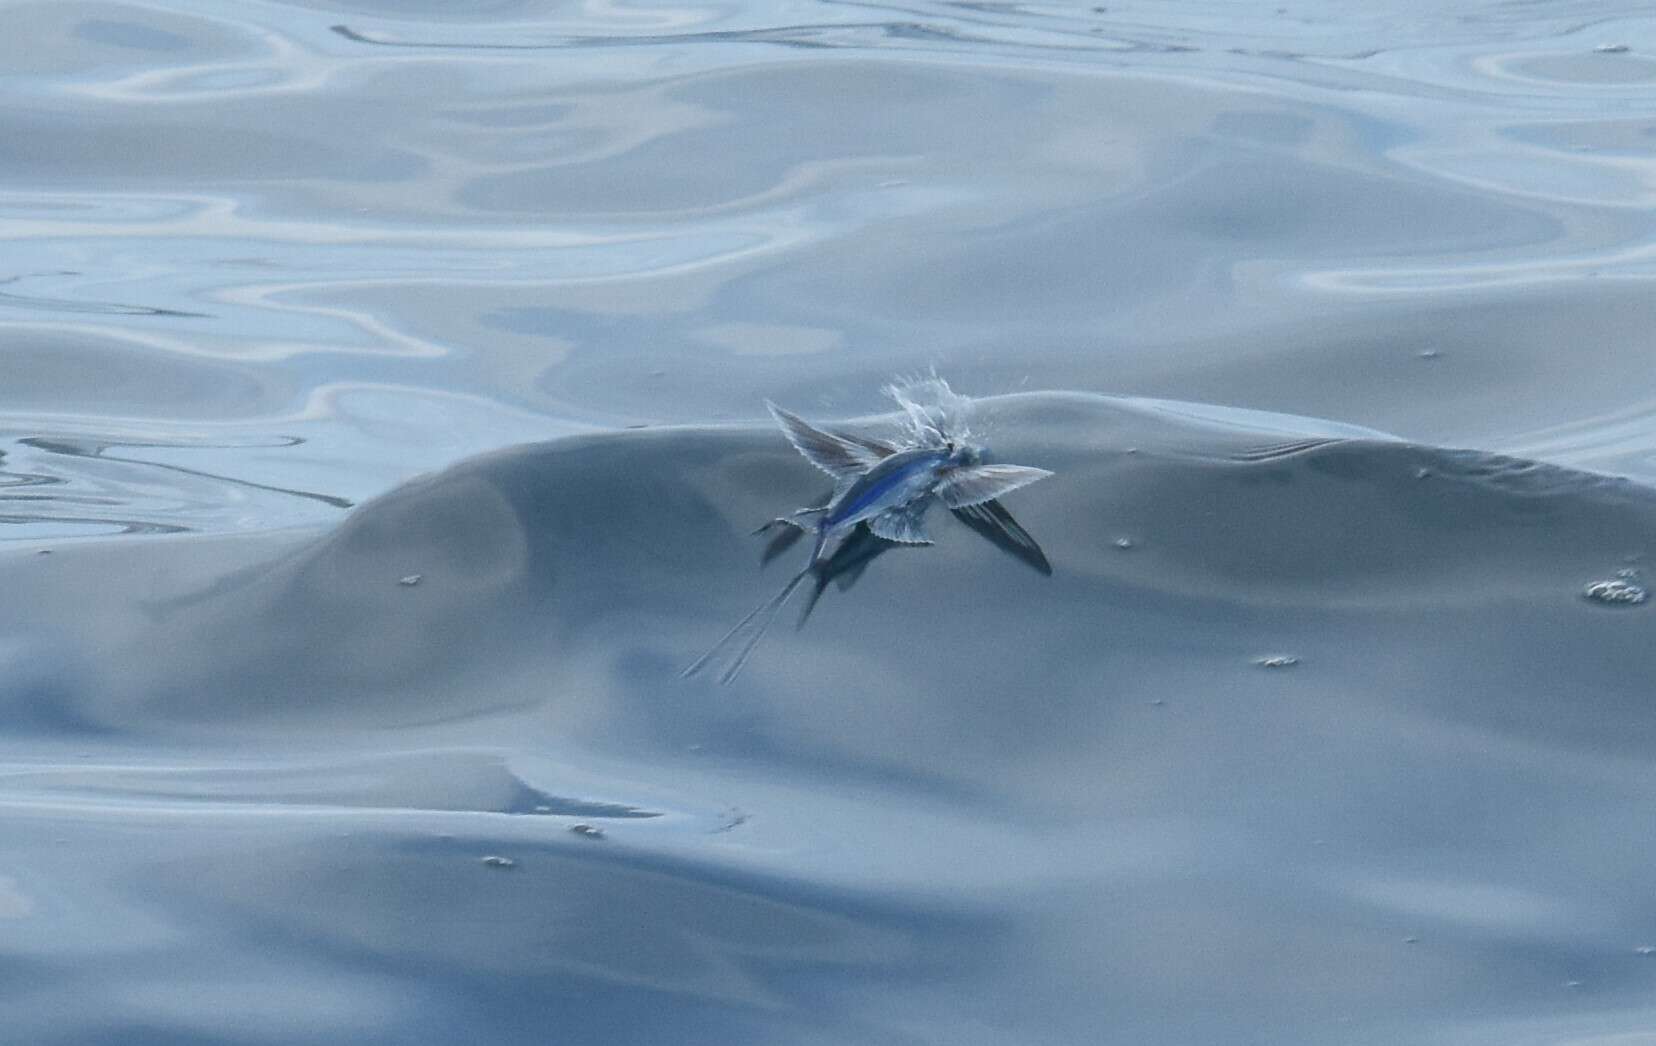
(934, 414)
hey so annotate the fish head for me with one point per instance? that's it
(963, 454)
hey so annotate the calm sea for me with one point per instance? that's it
(382, 425)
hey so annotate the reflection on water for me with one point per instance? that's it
(1295, 732)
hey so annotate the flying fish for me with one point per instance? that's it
(886, 488)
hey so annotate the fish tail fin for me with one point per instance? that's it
(758, 623)
(747, 633)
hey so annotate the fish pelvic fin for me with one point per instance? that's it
(906, 524)
(799, 520)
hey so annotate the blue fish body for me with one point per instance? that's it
(894, 482)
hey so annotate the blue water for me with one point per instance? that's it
(383, 426)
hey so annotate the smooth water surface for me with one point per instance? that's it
(383, 428)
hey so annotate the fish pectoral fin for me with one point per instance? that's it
(878, 447)
(841, 458)
(905, 525)
(976, 484)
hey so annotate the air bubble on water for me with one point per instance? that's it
(1616, 592)
(1277, 661)
(589, 831)
(409, 581)
(497, 861)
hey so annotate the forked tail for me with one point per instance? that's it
(747, 633)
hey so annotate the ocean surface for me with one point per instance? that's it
(382, 427)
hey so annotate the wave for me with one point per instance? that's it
(1286, 681)
(573, 579)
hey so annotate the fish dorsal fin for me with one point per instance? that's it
(842, 458)
(905, 525)
(976, 484)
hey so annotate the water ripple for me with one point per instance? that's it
(304, 730)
